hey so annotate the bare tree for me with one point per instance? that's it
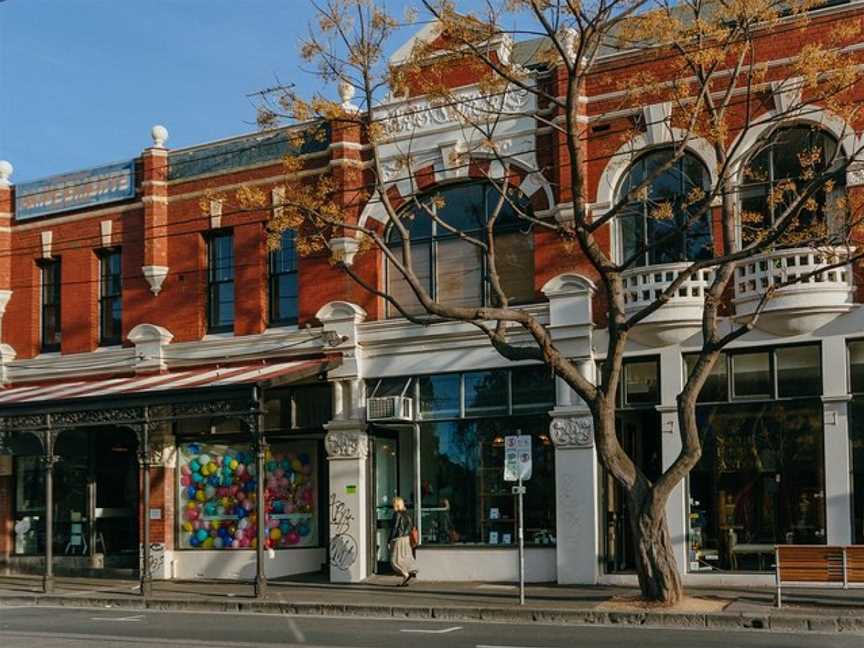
(706, 62)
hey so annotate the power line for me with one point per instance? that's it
(65, 245)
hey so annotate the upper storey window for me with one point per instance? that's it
(110, 298)
(50, 276)
(777, 174)
(283, 281)
(456, 272)
(666, 223)
(220, 283)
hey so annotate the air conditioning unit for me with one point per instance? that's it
(389, 408)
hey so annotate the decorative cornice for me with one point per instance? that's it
(346, 443)
(572, 431)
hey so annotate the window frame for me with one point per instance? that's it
(105, 276)
(769, 148)
(646, 261)
(213, 284)
(54, 267)
(774, 376)
(273, 281)
(432, 241)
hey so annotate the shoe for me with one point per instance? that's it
(411, 575)
(404, 582)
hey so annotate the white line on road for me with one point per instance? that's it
(420, 631)
(137, 617)
(299, 637)
(497, 646)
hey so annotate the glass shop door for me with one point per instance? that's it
(385, 486)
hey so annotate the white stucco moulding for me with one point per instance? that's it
(149, 341)
(47, 240)
(155, 277)
(570, 313)
(7, 355)
(810, 114)
(658, 123)
(105, 229)
(342, 318)
(344, 249)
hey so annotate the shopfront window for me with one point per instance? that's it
(856, 436)
(217, 495)
(760, 481)
(463, 421)
(464, 496)
(95, 496)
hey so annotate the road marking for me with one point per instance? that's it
(497, 646)
(420, 631)
(299, 637)
(137, 617)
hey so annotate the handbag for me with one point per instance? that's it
(414, 537)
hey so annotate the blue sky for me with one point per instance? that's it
(83, 81)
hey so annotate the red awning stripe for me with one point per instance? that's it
(185, 379)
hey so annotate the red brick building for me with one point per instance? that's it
(140, 302)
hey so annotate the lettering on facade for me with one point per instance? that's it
(75, 190)
(472, 106)
(343, 546)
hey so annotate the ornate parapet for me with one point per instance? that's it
(346, 440)
(572, 430)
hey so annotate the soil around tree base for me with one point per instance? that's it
(690, 604)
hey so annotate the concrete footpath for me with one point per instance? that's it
(804, 610)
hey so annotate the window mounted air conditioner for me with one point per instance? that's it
(390, 408)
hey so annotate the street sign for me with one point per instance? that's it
(517, 458)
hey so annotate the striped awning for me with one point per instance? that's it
(273, 374)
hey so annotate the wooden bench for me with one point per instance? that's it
(830, 566)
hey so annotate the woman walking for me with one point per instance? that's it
(401, 556)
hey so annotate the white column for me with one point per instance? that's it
(838, 489)
(671, 384)
(577, 522)
(347, 450)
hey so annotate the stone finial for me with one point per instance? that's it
(6, 170)
(160, 135)
(346, 94)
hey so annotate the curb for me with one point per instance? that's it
(788, 623)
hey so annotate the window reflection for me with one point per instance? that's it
(759, 483)
(452, 270)
(666, 226)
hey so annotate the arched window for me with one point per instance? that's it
(784, 166)
(664, 227)
(454, 271)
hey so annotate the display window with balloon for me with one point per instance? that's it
(218, 491)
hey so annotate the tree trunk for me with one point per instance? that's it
(656, 566)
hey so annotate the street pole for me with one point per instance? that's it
(521, 489)
(146, 577)
(49, 459)
(260, 508)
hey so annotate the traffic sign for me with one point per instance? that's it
(517, 458)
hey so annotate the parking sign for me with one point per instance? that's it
(517, 458)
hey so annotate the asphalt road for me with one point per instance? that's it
(44, 627)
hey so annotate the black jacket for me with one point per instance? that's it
(400, 525)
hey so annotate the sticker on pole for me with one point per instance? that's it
(517, 458)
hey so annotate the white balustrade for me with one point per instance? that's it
(677, 319)
(808, 291)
